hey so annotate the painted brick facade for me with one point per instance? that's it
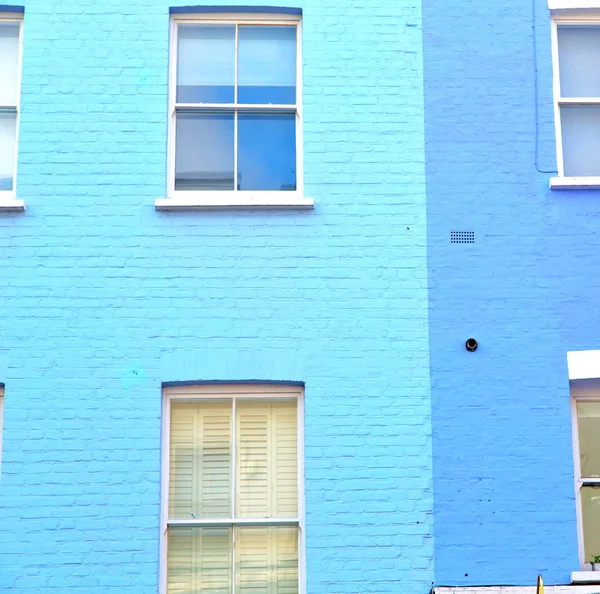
(527, 290)
(515, 590)
(103, 298)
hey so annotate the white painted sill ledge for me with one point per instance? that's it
(11, 204)
(234, 200)
(573, 4)
(575, 183)
(585, 577)
(570, 589)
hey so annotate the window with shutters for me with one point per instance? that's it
(585, 402)
(232, 506)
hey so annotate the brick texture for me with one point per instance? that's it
(526, 290)
(103, 298)
(516, 590)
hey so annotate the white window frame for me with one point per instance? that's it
(8, 198)
(579, 395)
(234, 198)
(562, 181)
(234, 392)
(1, 421)
(573, 5)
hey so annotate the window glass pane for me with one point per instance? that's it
(581, 139)
(205, 63)
(267, 460)
(590, 508)
(8, 132)
(199, 560)
(267, 151)
(588, 421)
(266, 560)
(579, 56)
(9, 63)
(267, 65)
(204, 151)
(200, 460)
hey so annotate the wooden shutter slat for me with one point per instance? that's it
(200, 464)
(267, 482)
(267, 560)
(199, 561)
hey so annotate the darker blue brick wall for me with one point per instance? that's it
(103, 298)
(527, 290)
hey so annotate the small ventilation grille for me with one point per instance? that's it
(462, 236)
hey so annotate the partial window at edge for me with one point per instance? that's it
(578, 100)
(10, 32)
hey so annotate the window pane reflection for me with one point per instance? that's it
(204, 151)
(581, 139)
(267, 65)
(579, 56)
(8, 131)
(9, 63)
(206, 64)
(267, 151)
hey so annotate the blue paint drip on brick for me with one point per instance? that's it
(103, 299)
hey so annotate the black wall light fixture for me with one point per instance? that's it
(471, 345)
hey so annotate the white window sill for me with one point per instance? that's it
(585, 577)
(10, 204)
(572, 4)
(234, 200)
(575, 183)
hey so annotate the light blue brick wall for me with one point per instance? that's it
(103, 298)
(527, 290)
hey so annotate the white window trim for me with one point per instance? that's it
(573, 5)
(582, 365)
(8, 198)
(578, 395)
(1, 422)
(190, 200)
(235, 392)
(562, 182)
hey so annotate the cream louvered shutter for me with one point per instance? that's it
(200, 460)
(199, 560)
(285, 468)
(267, 459)
(267, 560)
(179, 560)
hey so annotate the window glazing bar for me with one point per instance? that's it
(240, 107)
(235, 522)
(579, 101)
